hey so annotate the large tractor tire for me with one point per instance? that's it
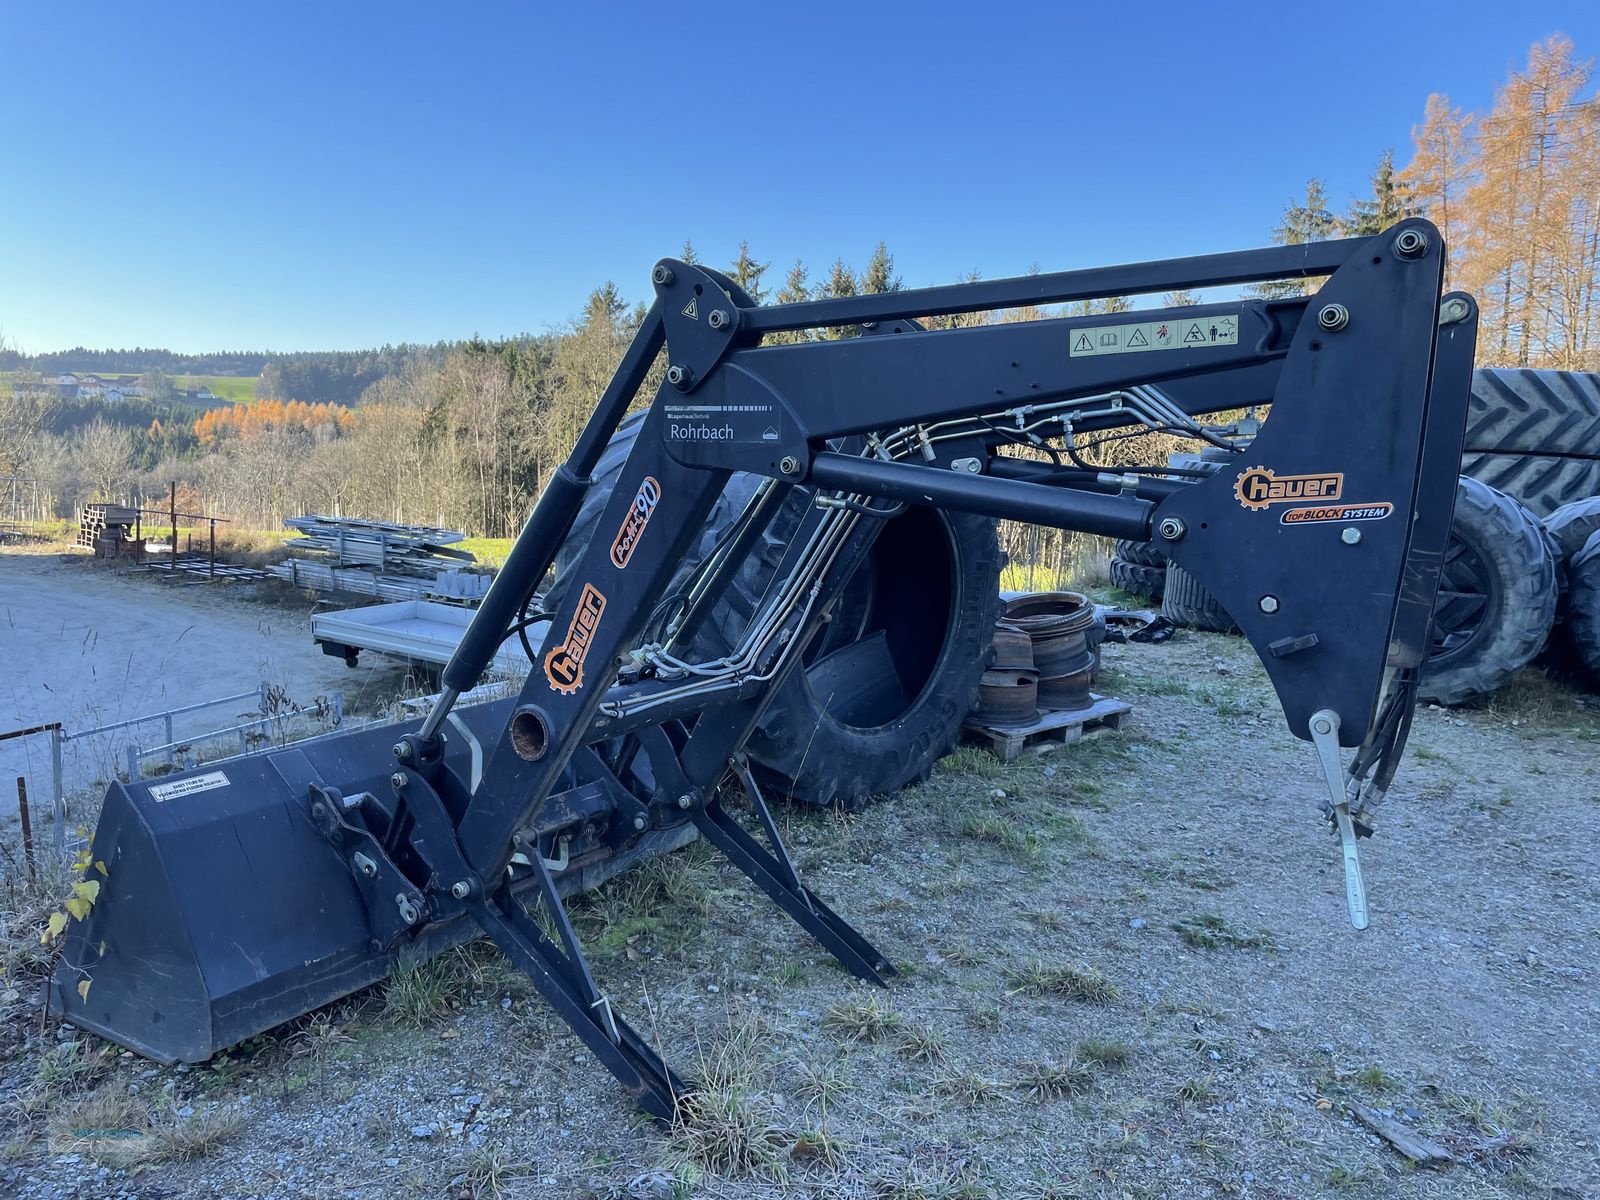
(885, 686)
(1497, 597)
(1188, 604)
(1144, 554)
(1137, 579)
(1572, 525)
(1535, 435)
(1582, 630)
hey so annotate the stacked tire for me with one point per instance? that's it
(1497, 598)
(1139, 568)
(1574, 532)
(1535, 435)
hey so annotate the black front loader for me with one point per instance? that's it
(242, 895)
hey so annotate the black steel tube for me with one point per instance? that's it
(1150, 487)
(1064, 508)
(1059, 287)
(547, 528)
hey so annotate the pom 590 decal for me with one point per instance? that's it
(633, 525)
(563, 666)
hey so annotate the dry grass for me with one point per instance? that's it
(1084, 984)
(863, 1018)
(184, 1139)
(1050, 1080)
(1208, 931)
(922, 1043)
(730, 1125)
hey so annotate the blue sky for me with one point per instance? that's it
(341, 175)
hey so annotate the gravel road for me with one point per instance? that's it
(1126, 972)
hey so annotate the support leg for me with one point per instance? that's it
(563, 979)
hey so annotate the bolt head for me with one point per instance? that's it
(680, 376)
(1172, 528)
(789, 465)
(639, 822)
(1269, 604)
(662, 275)
(1350, 535)
(402, 750)
(1333, 317)
(1411, 244)
(717, 319)
(399, 779)
(685, 801)
(461, 889)
(1322, 725)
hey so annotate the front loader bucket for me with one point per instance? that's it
(222, 913)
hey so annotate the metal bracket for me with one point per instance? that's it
(1342, 790)
(394, 905)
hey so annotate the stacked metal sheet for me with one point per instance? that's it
(374, 558)
(393, 549)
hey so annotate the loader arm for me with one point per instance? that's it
(1324, 542)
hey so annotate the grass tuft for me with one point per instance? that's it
(185, 1139)
(1111, 1055)
(1052, 1081)
(1208, 931)
(968, 1088)
(922, 1043)
(729, 1125)
(867, 1018)
(1084, 984)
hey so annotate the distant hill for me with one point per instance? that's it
(329, 377)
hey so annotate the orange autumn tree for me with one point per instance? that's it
(220, 425)
(1517, 192)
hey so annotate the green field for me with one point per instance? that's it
(241, 389)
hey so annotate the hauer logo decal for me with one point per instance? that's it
(1313, 513)
(633, 524)
(563, 666)
(1259, 487)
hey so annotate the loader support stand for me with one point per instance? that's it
(564, 981)
(765, 869)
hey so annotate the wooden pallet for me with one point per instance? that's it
(1053, 729)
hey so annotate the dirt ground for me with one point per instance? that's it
(88, 644)
(1126, 972)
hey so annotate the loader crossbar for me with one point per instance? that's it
(1323, 541)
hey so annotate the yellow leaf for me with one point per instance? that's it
(57, 926)
(83, 990)
(78, 907)
(101, 867)
(89, 889)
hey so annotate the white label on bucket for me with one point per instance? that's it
(209, 782)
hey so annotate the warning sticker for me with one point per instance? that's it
(1186, 334)
(209, 782)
